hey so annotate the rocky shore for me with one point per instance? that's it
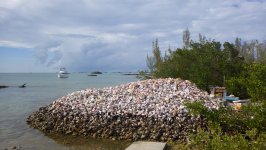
(145, 110)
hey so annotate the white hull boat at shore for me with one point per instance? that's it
(62, 73)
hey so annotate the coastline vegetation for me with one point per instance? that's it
(240, 67)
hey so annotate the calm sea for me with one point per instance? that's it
(43, 88)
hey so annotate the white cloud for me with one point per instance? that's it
(90, 34)
(14, 44)
(10, 3)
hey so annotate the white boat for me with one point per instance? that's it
(62, 73)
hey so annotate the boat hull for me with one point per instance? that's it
(62, 75)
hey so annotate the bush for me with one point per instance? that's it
(252, 116)
(256, 82)
(229, 129)
(237, 86)
(216, 139)
(250, 83)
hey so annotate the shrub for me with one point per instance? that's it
(230, 129)
(216, 139)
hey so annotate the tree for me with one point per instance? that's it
(186, 38)
(155, 60)
(261, 51)
(156, 53)
(202, 39)
(238, 44)
(206, 62)
(233, 62)
(256, 81)
(200, 64)
(150, 62)
(252, 51)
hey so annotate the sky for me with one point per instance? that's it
(114, 35)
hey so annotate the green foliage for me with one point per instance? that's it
(216, 139)
(237, 86)
(256, 81)
(231, 121)
(229, 129)
(239, 67)
(204, 63)
(254, 116)
(250, 83)
(198, 108)
(207, 62)
(143, 75)
(155, 60)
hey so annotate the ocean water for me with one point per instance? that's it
(16, 104)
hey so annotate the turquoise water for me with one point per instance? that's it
(43, 88)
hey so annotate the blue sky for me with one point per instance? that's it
(114, 35)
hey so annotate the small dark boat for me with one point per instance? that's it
(3, 86)
(23, 85)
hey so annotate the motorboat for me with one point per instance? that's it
(63, 73)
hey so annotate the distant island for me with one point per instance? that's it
(131, 74)
(96, 72)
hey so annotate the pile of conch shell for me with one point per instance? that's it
(151, 109)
